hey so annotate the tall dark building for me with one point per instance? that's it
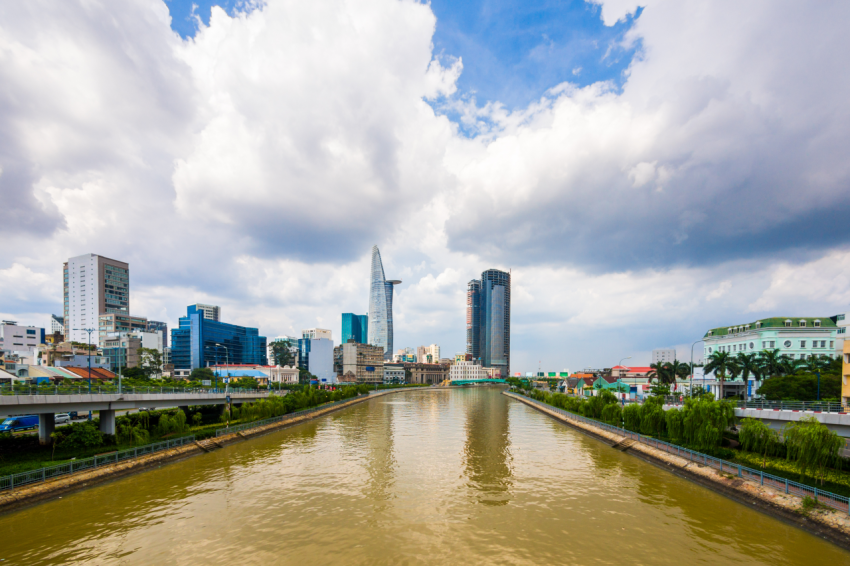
(162, 328)
(488, 324)
(473, 322)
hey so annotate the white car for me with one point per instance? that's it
(62, 418)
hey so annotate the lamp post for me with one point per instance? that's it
(620, 363)
(226, 361)
(89, 331)
(691, 391)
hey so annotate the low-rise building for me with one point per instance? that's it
(428, 374)
(796, 337)
(17, 338)
(122, 350)
(467, 371)
(113, 323)
(394, 374)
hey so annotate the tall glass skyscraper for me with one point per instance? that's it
(355, 327)
(488, 320)
(381, 306)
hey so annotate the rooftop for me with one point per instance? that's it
(775, 322)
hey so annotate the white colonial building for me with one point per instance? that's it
(467, 371)
(798, 338)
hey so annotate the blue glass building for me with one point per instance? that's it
(355, 327)
(380, 306)
(489, 320)
(201, 342)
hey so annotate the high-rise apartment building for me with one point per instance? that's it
(57, 324)
(489, 320)
(354, 327)
(428, 354)
(381, 306)
(93, 285)
(210, 312)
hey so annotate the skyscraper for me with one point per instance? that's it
(93, 285)
(381, 306)
(210, 312)
(488, 325)
(355, 327)
(200, 341)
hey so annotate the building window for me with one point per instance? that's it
(791, 356)
(823, 343)
(803, 344)
(832, 344)
(788, 323)
(787, 343)
(802, 324)
(752, 346)
(817, 323)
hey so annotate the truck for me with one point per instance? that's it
(13, 424)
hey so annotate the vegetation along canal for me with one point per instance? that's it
(442, 477)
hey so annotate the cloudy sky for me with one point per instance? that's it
(645, 172)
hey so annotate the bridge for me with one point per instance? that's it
(46, 406)
(475, 381)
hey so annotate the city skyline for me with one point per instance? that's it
(642, 183)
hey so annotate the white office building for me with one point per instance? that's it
(663, 355)
(17, 338)
(467, 370)
(93, 285)
(321, 360)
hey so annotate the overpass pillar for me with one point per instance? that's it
(46, 425)
(107, 421)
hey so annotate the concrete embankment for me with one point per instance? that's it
(28, 494)
(829, 524)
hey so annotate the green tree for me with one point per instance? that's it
(722, 364)
(151, 362)
(771, 362)
(812, 446)
(755, 436)
(245, 382)
(800, 387)
(202, 374)
(282, 353)
(749, 364)
(814, 364)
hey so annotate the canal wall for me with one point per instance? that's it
(831, 525)
(29, 494)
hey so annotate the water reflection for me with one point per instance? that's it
(486, 452)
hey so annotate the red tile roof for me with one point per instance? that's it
(96, 373)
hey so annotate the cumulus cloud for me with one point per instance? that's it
(254, 165)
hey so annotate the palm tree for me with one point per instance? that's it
(771, 362)
(749, 364)
(659, 371)
(813, 364)
(789, 366)
(720, 363)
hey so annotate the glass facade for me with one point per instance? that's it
(201, 342)
(380, 325)
(488, 326)
(355, 327)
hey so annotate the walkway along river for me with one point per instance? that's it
(437, 477)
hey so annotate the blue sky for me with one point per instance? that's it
(512, 51)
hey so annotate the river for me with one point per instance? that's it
(420, 477)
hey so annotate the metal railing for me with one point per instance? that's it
(838, 502)
(44, 474)
(254, 424)
(808, 406)
(99, 389)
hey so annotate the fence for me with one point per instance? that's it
(43, 474)
(839, 502)
(83, 389)
(808, 406)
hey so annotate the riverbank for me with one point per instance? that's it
(29, 494)
(831, 525)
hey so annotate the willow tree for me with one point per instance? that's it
(755, 436)
(812, 446)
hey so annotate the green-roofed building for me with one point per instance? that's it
(797, 337)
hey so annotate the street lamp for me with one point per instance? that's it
(89, 330)
(226, 362)
(691, 392)
(620, 363)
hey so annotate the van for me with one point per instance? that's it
(12, 424)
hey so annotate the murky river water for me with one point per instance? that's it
(420, 477)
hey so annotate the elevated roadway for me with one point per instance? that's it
(46, 406)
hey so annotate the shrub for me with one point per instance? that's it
(80, 435)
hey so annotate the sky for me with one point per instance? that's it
(646, 172)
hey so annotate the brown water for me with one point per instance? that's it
(420, 477)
